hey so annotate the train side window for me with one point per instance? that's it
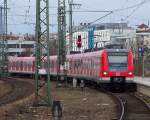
(99, 63)
(71, 64)
(88, 63)
(23, 64)
(52, 64)
(81, 63)
(92, 63)
(78, 63)
(14, 64)
(19, 64)
(28, 64)
(75, 63)
(44, 64)
(85, 65)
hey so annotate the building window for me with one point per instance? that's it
(13, 46)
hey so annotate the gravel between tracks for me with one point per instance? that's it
(77, 105)
(19, 89)
(4, 88)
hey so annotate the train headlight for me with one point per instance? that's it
(130, 73)
(105, 73)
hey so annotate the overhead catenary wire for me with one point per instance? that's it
(94, 21)
(113, 11)
(117, 10)
(131, 7)
(92, 11)
(134, 10)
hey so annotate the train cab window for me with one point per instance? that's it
(118, 59)
(118, 62)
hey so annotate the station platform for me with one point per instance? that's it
(142, 80)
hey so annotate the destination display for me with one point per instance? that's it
(117, 53)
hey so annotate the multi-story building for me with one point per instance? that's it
(20, 45)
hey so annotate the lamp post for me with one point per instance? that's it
(143, 55)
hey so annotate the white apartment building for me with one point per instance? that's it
(17, 47)
(19, 44)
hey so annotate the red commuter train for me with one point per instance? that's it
(107, 67)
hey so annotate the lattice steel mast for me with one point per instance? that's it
(61, 35)
(42, 48)
(3, 43)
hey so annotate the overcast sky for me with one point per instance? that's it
(21, 13)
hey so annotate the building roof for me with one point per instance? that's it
(142, 26)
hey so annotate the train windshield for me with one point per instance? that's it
(118, 62)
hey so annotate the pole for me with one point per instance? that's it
(3, 46)
(143, 66)
(70, 26)
(48, 56)
(61, 37)
(142, 51)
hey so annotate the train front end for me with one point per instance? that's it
(117, 69)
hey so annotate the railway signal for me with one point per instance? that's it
(79, 41)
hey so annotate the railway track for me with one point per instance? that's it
(20, 89)
(132, 107)
(129, 105)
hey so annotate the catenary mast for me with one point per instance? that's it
(61, 36)
(42, 49)
(3, 42)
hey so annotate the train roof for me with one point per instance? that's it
(117, 50)
(21, 58)
(87, 55)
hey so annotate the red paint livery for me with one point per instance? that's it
(100, 66)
